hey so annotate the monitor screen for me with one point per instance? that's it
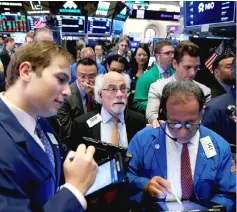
(13, 22)
(99, 26)
(36, 21)
(71, 25)
(197, 13)
(117, 28)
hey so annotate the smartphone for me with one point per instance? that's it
(110, 172)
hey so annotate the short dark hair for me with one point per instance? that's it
(217, 61)
(160, 45)
(181, 90)
(186, 48)
(87, 62)
(118, 58)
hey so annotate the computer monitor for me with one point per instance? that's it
(99, 26)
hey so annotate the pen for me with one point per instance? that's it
(177, 199)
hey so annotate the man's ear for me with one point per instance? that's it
(25, 71)
(216, 72)
(175, 64)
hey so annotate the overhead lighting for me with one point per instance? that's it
(10, 4)
(38, 12)
(7, 9)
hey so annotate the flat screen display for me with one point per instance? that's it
(99, 26)
(13, 22)
(106, 175)
(117, 28)
(71, 25)
(197, 13)
(36, 22)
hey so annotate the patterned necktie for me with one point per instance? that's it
(166, 74)
(186, 174)
(114, 136)
(46, 143)
(88, 103)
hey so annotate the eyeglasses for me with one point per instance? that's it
(178, 126)
(114, 89)
(167, 53)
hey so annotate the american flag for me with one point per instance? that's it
(216, 53)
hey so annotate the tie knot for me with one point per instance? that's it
(115, 120)
(37, 127)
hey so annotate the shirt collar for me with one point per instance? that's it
(161, 70)
(27, 121)
(82, 93)
(106, 116)
(194, 140)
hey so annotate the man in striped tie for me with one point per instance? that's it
(181, 159)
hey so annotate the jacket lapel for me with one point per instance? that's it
(201, 160)
(159, 147)
(23, 138)
(96, 131)
(76, 96)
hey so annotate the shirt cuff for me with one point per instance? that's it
(77, 193)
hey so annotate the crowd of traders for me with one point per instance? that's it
(180, 132)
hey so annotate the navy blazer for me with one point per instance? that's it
(215, 117)
(213, 179)
(28, 181)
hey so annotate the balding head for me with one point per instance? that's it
(87, 52)
(43, 34)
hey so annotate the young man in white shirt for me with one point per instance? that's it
(38, 82)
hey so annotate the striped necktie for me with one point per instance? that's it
(186, 174)
(46, 143)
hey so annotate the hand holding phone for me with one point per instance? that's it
(80, 169)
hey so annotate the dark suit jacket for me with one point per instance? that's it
(5, 58)
(215, 117)
(134, 122)
(216, 88)
(70, 109)
(2, 81)
(28, 181)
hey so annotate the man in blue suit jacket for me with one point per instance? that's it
(155, 169)
(30, 161)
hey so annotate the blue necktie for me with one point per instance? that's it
(46, 143)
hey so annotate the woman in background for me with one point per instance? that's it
(139, 64)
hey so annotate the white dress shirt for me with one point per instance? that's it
(173, 155)
(29, 123)
(106, 128)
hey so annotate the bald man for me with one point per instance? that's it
(43, 34)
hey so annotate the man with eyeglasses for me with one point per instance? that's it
(181, 158)
(82, 98)
(113, 124)
(164, 53)
(111, 92)
(186, 64)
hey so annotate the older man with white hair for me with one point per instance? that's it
(113, 123)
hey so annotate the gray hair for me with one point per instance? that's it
(181, 90)
(99, 83)
(38, 31)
